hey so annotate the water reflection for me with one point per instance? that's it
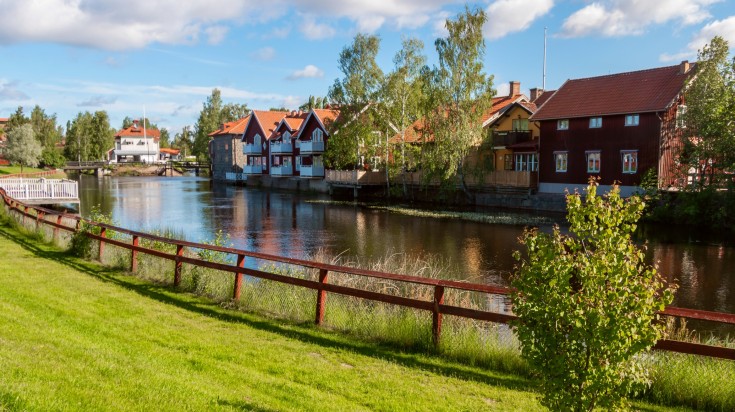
(291, 224)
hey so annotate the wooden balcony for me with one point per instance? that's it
(252, 149)
(507, 138)
(312, 171)
(252, 169)
(283, 170)
(310, 146)
(279, 148)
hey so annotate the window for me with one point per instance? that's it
(298, 162)
(317, 135)
(520, 125)
(595, 122)
(508, 162)
(526, 162)
(286, 135)
(593, 162)
(256, 139)
(630, 161)
(632, 120)
(560, 158)
(562, 124)
(680, 112)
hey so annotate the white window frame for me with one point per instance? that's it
(632, 120)
(562, 124)
(630, 154)
(526, 162)
(317, 135)
(561, 159)
(595, 122)
(680, 112)
(591, 154)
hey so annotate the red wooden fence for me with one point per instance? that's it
(322, 286)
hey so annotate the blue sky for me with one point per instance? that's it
(167, 55)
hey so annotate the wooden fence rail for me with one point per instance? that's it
(322, 286)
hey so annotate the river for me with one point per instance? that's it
(300, 225)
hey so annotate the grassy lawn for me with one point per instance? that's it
(9, 170)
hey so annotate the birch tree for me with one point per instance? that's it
(22, 147)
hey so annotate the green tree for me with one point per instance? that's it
(183, 141)
(89, 137)
(45, 127)
(165, 138)
(234, 111)
(709, 136)
(22, 147)
(16, 119)
(353, 139)
(402, 96)
(214, 113)
(461, 94)
(587, 304)
(314, 102)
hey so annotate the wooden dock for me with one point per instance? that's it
(41, 191)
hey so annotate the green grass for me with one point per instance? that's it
(9, 170)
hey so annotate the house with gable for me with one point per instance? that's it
(260, 126)
(226, 152)
(136, 144)
(311, 142)
(283, 145)
(616, 127)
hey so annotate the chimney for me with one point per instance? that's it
(536, 92)
(135, 124)
(684, 67)
(515, 88)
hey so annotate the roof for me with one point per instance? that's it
(268, 119)
(4, 119)
(641, 91)
(236, 127)
(326, 115)
(136, 131)
(499, 105)
(169, 150)
(545, 96)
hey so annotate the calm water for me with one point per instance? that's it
(294, 225)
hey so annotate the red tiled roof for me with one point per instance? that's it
(236, 127)
(545, 96)
(413, 133)
(269, 119)
(641, 91)
(137, 131)
(327, 115)
(4, 119)
(169, 150)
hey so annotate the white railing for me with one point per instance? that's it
(312, 171)
(40, 189)
(310, 146)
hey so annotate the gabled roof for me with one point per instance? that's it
(545, 96)
(136, 130)
(267, 119)
(641, 91)
(322, 116)
(170, 151)
(499, 106)
(236, 127)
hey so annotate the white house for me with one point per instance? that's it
(136, 144)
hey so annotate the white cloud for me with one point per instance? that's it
(264, 54)
(509, 16)
(613, 18)
(503, 89)
(216, 34)
(440, 24)
(310, 71)
(97, 101)
(724, 28)
(10, 91)
(315, 31)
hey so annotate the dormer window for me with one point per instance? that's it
(286, 134)
(317, 135)
(562, 124)
(595, 122)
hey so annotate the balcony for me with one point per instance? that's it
(252, 149)
(252, 169)
(310, 146)
(508, 138)
(281, 148)
(312, 171)
(283, 170)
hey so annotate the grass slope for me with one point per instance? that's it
(77, 336)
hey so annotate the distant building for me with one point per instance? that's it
(136, 144)
(225, 149)
(166, 154)
(617, 127)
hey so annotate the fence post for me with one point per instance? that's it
(56, 229)
(134, 255)
(25, 215)
(437, 318)
(238, 278)
(103, 233)
(39, 217)
(177, 267)
(321, 296)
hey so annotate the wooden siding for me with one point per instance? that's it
(250, 132)
(612, 138)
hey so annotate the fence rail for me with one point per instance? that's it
(436, 305)
(40, 189)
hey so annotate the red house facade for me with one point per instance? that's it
(615, 127)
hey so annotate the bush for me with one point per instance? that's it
(82, 246)
(587, 304)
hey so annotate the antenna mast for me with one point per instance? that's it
(543, 83)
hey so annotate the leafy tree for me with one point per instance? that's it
(353, 135)
(278, 109)
(165, 138)
(52, 157)
(22, 147)
(402, 95)
(314, 103)
(16, 119)
(587, 304)
(214, 113)
(45, 128)
(461, 93)
(89, 137)
(709, 136)
(183, 141)
(128, 121)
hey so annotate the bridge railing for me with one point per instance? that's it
(40, 189)
(324, 284)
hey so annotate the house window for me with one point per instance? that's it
(562, 124)
(560, 158)
(593, 162)
(298, 162)
(595, 122)
(526, 162)
(286, 135)
(317, 135)
(630, 161)
(632, 120)
(680, 112)
(508, 162)
(520, 125)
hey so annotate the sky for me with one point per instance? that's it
(164, 57)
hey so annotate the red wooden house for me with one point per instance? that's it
(260, 127)
(616, 127)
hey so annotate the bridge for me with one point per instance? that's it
(41, 191)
